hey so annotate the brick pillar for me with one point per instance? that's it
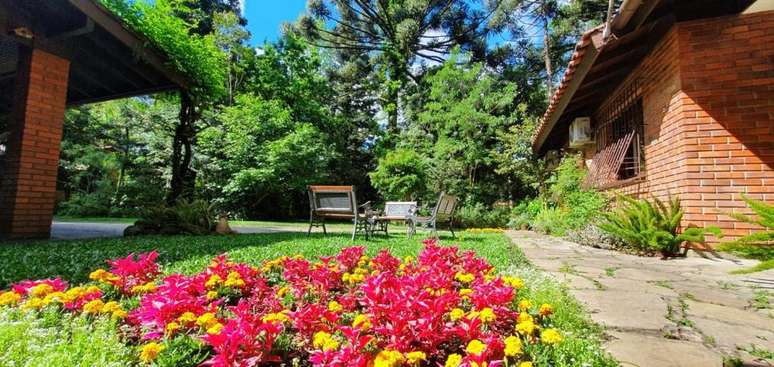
(28, 179)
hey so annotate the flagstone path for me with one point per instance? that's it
(682, 312)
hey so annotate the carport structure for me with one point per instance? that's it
(55, 54)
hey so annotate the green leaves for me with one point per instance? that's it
(400, 175)
(764, 217)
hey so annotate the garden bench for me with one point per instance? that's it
(336, 202)
(394, 211)
(442, 214)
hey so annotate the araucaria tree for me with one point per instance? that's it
(398, 35)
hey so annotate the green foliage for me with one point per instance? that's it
(400, 175)
(651, 225)
(764, 217)
(197, 57)
(478, 215)
(195, 218)
(54, 339)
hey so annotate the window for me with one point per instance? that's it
(619, 135)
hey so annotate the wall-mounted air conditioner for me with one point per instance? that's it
(580, 132)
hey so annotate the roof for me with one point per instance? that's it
(107, 59)
(599, 64)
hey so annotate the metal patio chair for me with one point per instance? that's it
(336, 202)
(394, 211)
(442, 214)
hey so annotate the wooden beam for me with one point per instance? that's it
(117, 28)
(125, 58)
(103, 65)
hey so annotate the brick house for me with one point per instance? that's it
(55, 54)
(674, 98)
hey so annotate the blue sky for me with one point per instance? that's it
(264, 17)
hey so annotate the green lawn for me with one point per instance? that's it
(73, 260)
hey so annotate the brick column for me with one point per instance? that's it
(28, 179)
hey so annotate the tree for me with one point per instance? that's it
(400, 175)
(397, 34)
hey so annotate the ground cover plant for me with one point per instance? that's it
(758, 245)
(476, 312)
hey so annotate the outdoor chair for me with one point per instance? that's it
(394, 211)
(442, 214)
(336, 202)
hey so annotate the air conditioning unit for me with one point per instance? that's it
(580, 132)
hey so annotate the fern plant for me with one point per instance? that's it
(651, 225)
(764, 217)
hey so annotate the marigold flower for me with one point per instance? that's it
(93, 307)
(172, 328)
(41, 290)
(325, 341)
(55, 297)
(525, 317)
(214, 281)
(526, 327)
(513, 282)
(546, 310)
(282, 291)
(92, 289)
(525, 305)
(276, 317)
(453, 360)
(9, 298)
(525, 364)
(361, 322)
(487, 315)
(206, 320)
(334, 306)
(456, 314)
(33, 304)
(215, 329)
(475, 347)
(119, 314)
(212, 295)
(234, 280)
(144, 288)
(465, 292)
(388, 358)
(464, 277)
(103, 276)
(110, 307)
(550, 337)
(512, 346)
(187, 317)
(414, 358)
(150, 352)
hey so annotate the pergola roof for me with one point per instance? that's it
(108, 60)
(601, 62)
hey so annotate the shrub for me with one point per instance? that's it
(400, 175)
(651, 225)
(348, 309)
(194, 217)
(593, 236)
(551, 220)
(480, 216)
(764, 217)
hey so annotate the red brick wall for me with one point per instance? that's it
(727, 73)
(708, 101)
(28, 182)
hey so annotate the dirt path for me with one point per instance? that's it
(682, 312)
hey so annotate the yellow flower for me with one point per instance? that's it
(324, 341)
(187, 317)
(550, 337)
(93, 307)
(282, 291)
(213, 281)
(546, 309)
(526, 327)
(41, 290)
(456, 314)
(172, 328)
(55, 297)
(465, 292)
(215, 328)
(414, 358)
(206, 320)
(145, 288)
(276, 317)
(525, 364)
(362, 322)
(150, 352)
(9, 298)
(487, 315)
(111, 307)
(119, 314)
(33, 304)
(513, 282)
(334, 306)
(464, 277)
(475, 347)
(103, 276)
(212, 295)
(234, 280)
(512, 346)
(453, 360)
(92, 289)
(388, 358)
(525, 317)
(74, 293)
(525, 305)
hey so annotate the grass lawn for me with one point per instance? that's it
(34, 339)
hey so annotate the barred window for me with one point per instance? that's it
(619, 134)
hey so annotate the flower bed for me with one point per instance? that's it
(444, 308)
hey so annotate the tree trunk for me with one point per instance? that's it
(547, 59)
(183, 177)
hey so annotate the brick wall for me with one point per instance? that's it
(708, 101)
(28, 183)
(727, 73)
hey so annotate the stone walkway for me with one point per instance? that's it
(680, 312)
